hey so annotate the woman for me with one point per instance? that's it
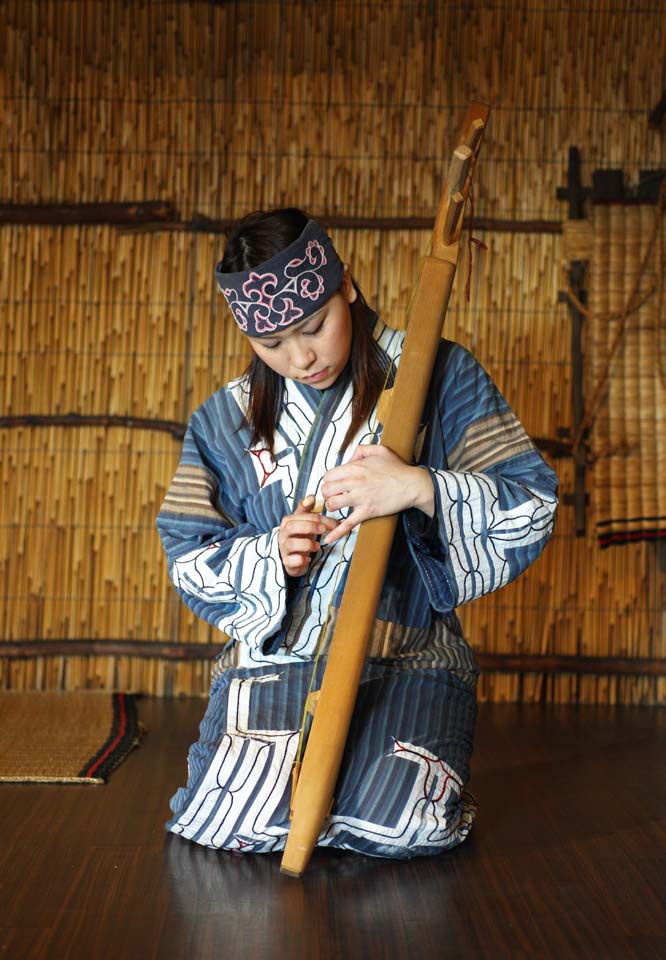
(278, 469)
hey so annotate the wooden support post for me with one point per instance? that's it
(576, 194)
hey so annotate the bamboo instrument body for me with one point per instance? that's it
(335, 702)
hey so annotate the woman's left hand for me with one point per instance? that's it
(375, 482)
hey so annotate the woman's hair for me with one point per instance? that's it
(255, 239)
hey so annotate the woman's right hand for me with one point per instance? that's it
(297, 536)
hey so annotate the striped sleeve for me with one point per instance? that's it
(495, 497)
(486, 442)
(225, 570)
(192, 492)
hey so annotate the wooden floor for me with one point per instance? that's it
(568, 859)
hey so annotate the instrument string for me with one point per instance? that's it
(322, 633)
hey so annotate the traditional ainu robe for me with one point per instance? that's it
(401, 790)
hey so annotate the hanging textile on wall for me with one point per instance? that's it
(625, 370)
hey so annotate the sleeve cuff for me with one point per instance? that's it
(422, 531)
(430, 552)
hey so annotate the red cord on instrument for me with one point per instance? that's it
(471, 240)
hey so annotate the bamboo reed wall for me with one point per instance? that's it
(346, 108)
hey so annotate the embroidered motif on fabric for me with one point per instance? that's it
(438, 772)
(268, 305)
(278, 467)
(261, 455)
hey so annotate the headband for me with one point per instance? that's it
(290, 286)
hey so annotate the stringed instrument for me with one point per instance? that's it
(400, 412)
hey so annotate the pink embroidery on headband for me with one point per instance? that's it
(289, 287)
(266, 307)
(311, 284)
(314, 254)
(256, 287)
(236, 308)
(317, 259)
(305, 290)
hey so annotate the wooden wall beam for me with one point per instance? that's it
(343, 222)
(174, 427)
(80, 214)
(505, 662)
(154, 215)
(556, 448)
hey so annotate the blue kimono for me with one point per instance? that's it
(401, 790)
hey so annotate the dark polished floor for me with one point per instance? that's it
(568, 859)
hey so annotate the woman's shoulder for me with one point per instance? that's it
(223, 408)
(452, 353)
(235, 391)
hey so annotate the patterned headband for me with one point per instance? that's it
(290, 286)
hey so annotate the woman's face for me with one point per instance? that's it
(316, 350)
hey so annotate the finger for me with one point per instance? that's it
(340, 501)
(309, 504)
(341, 483)
(306, 505)
(329, 523)
(304, 524)
(338, 534)
(300, 544)
(343, 528)
(342, 474)
(296, 565)
(365, 450)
